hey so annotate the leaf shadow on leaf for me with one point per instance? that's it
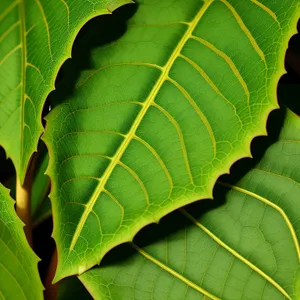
(175, 221)
(108, 28)
(97, 32)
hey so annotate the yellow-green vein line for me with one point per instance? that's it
(234, 253)
(103, 105)
(174, 273)
(267, 10)
(28, 64)
(13, 277)
(10, 29)
(83, 155)
(14, 255)
(277, 175)
(10, 92)
(138, 179)
(229, 61)
(149, 101)
(90, 132)
(245, 30)
(98, 220)
(68, 10)
(9, 9)
(78, 177)
(198, 111)
(23, 73)
(46, 25)
(10, 53)
(158, 158)
(211, 84)
(180, 136)
(114, 199)
(142, 64)
(276, 207)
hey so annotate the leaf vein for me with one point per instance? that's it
(180, 136)
(149, 101)
(246, 31)
(268, 11)
(230, 63)
(234, 253)
(39, 4)
(173, 272)
(9, 9)
(198, 111)
(273, 205)
(158, 158)
(138, 179)
(10, 29)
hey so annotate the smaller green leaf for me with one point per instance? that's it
(19, 277)
(36, 37)
(246, 248)
(40, 202)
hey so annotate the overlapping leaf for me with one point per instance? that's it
(40, 202)
(246, 248)
(36, 36)
(166, 110)
(19, 277)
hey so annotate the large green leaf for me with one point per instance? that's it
(245, 248)
(36, 36)
(19, 277)
(165, 110)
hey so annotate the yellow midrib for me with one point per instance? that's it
(23, 73)
(131, 133)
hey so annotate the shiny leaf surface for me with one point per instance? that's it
(247, 247)
(165, 110)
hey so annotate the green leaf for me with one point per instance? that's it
(163, 113)
(40, 202)
(19, 277)
(36, 37)
(247, 247)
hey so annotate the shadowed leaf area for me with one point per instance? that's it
(36, 37)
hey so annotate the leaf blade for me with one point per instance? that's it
(18, 263)
(30, 58)
(272, 253)
(138, 90)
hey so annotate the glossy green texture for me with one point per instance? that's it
(245, 248)
(36, 37)
(166, 110)
(19, 277)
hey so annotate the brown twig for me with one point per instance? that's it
(50, 292)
